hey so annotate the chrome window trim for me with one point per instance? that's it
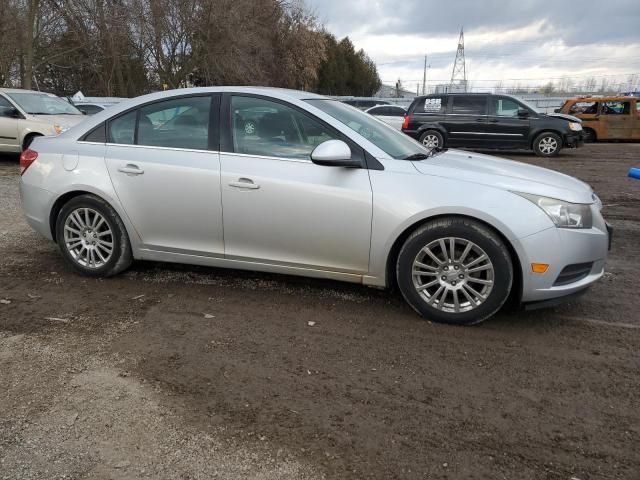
(178, 149)
(268, 157)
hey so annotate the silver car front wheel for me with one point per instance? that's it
(455, 270)
(453, 274)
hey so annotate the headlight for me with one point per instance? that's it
(60, 128)
(563, 214)
(575, 126)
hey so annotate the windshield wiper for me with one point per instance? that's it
(423, 156)
(417, 156)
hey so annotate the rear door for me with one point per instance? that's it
(164, 164)
(505, 128)
(466, 121)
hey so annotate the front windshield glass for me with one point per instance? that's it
(43, 104)
(391, 141)
(529, 106)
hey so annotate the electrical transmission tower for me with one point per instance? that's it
(459, 74)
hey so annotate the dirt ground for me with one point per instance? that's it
(181, 372)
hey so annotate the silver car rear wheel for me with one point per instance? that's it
(88, 238)
(453, 275)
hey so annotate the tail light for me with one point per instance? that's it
(405, 122)
(27, 157)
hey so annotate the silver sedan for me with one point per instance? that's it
(291, 182)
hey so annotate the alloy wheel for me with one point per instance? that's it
(548, 145)
(453, 275)
(88, 238)
(430, 141)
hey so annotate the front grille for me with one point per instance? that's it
(573, 273)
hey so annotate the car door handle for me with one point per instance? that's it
(131, 169)
(246, 183)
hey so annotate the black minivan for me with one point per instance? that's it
(488, 121)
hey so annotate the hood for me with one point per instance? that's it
(564, 116)
(63, 120)
(505, 174)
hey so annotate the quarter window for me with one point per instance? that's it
(433, 105)
(504, 107)
(469, 105)
(263, 127)
(179, 123)
(122, 129)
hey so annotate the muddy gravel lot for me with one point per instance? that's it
(180, 372)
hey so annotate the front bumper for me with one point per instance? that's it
(561, 248)
(573, 140)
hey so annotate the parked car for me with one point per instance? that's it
(391, 114)
(606, 117)
(25, 114)
(486, 121)
(363, 104)
(89, 108)
(320, 190)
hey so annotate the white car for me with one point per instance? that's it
(390, 114)
(26, 114)
(316, 188)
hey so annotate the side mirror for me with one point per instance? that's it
(334, 153)
(523, 112)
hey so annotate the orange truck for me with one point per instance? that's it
(606, 117)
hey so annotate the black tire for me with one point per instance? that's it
(471, 231)
(589, 135)
(29, 140)
(548, 138)
(121, 256)
(435, 137)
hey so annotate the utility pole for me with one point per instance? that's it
(459, 73)
(424, 75)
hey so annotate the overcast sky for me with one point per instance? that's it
(519, 41)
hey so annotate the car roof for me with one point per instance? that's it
(22, 90)
(602, 98)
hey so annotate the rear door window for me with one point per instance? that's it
(469, 105)
(179, 123)
(122, 130)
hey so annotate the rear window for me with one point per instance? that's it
(469, 105)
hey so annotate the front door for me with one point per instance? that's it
(504, 126)
(166, 173)
(8, 127)
(466, 121)
(279, 207)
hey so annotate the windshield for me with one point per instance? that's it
(43, 104)
(391, 141)
(528, 105)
